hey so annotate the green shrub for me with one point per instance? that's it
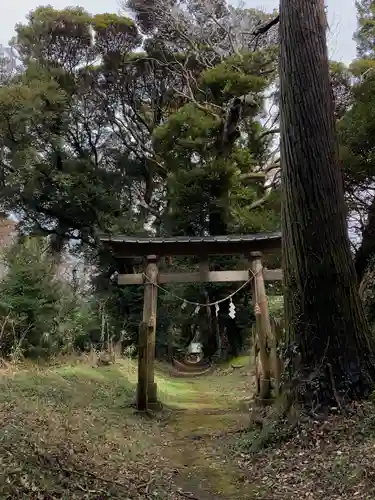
(40, 315)
(276, 306)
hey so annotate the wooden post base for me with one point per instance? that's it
(152, 398)
(143, 361)
(152, 393)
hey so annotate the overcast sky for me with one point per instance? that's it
(342, 19)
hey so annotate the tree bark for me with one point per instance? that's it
(329, 350)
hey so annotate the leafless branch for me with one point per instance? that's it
(268, 132)
(261, 30)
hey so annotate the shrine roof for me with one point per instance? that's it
(133, 246)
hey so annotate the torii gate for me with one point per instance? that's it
(251, 246)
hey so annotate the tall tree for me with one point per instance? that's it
(214, 139)
(119, 130)
(365, 34)
(330, 350)
(60, 168)
(356, 134)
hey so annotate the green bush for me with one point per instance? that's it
(276, 306)
(40, 315)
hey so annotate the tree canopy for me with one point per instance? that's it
(105, 127)
(154, 121)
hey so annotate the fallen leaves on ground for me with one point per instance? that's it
(322, 460)
(70, 433)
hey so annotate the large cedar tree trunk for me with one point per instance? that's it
(330, 351)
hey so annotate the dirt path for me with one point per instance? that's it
(331, 459)
(195, 436)
(195, 442)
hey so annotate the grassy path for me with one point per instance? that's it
(62, 427)
(205, 412)
(70, 432)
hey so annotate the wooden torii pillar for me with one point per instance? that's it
(265, 342)
(147, 389)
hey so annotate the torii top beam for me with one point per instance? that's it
(123, 246)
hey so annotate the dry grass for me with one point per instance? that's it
(63, 425)
(68, 431)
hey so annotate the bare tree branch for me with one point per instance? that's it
(261, 30)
